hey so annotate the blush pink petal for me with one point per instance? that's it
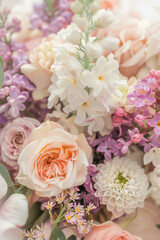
(40, 78)
(52, 161)
(11, 210)
(83, 144)
(144, 225)
(109, 231)
(3, 187)
(44, 130)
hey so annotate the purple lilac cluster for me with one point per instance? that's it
(51, 20)
(139, 126)
(16, 86)
(146, 109)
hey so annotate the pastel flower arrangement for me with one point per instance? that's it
(79, 122)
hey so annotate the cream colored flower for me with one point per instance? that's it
(154, 178)
(121, 185)
(152, 156)
(54, 160)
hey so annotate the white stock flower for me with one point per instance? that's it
(76, 6)
(103, 18)
(95, 6)
(87, 109)
(66, 79)
(71, 34)
(82, 22)
(104, 77)
(152, 156)
(93, 50)
(121, 185)
(154, 178)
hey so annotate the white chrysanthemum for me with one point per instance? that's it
(154, 178)
(121, 185)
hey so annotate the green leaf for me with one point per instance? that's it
(5, 174)
(72, 237)
(34, 213)
(42, 218)
(26, 191)
(1, 73)
(158, 226)
(57, 234)
(50, 5)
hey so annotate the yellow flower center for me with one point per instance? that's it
(101, 78)
(74, 81)
(77, 209)
(158, 124)
(69, 218)
(42, 235)
(84, 105)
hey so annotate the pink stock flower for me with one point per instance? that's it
(13, 137)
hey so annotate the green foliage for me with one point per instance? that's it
(1, 73)
(57, 234)
(72, 237)
(42, 218)
(50, 5)
(34, 214)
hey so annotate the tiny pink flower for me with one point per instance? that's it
(155, 123)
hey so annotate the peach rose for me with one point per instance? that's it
(109, 231)
(109, 4)
(54, 160)
(132, 48)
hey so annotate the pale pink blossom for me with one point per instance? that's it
(109, 231)
(13, 137)
(54, 160)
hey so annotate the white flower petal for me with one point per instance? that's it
(3, 187)
(15, 210)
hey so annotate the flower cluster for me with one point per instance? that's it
(16, 87)
(79, 122)
(50, 17)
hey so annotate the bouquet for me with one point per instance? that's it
(79, 121)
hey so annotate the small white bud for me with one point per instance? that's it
(103, 18)
(110, 43)
(76, 7)
(82, 22)
(93, 50)
(95, 6)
